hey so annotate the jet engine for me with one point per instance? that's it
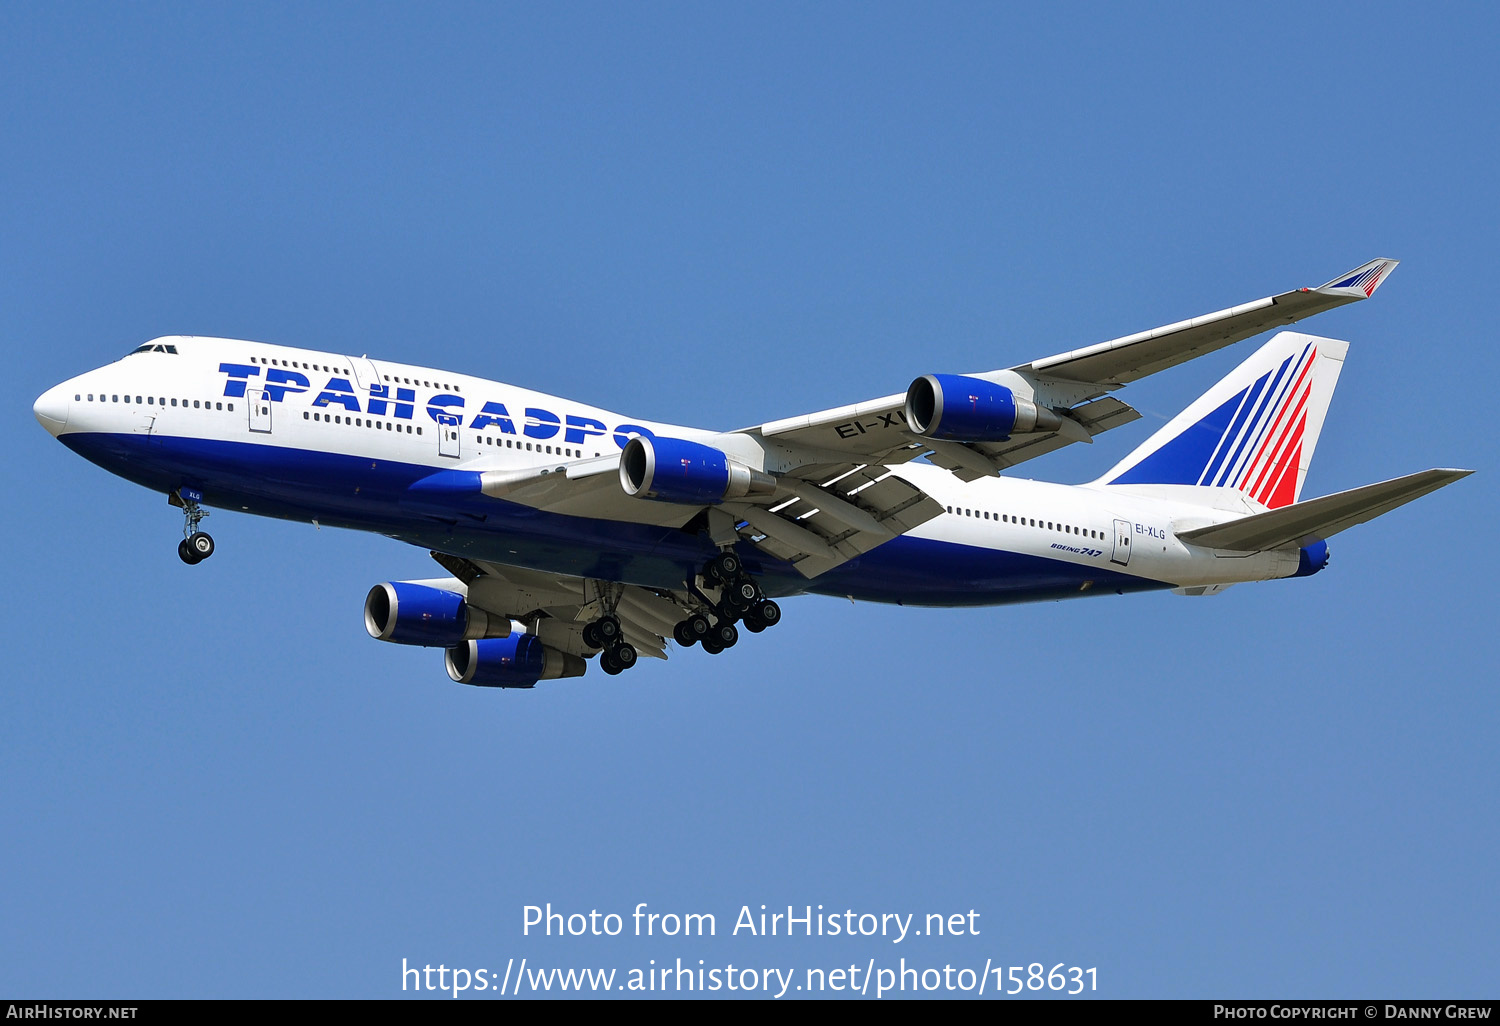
(959, 408)
(1311, 559)
(418, 614)
(676, 470)
(518, 661)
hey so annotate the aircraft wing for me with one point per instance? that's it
(1071, 384)
(556, 607)
(836, 496)
(821, 514)
(1135, 356)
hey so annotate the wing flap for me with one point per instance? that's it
(556, 607)
(826, 525)
(1318, 519)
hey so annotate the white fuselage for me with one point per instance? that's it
(299, 433)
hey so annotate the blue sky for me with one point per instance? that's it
(215, 784)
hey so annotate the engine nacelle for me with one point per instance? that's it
(418, 614)
(964, 409)
(518, 661)
(676, 470)
(1311, 559)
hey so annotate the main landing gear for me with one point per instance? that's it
(740, 598)
(196, 545)
(604, 633)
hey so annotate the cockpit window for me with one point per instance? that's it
(153, 347)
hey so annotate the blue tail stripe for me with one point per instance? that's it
(1263, 416)
(1181, 460)
(1247, 412)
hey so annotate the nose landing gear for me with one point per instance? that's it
(196, 545)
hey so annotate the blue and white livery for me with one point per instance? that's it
(567, 532)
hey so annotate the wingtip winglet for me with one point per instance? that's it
(1363, 279)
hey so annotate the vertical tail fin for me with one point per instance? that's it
(1254, 431)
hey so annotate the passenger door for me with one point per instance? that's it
(449, 429)
(1122, 543)
(260, 410)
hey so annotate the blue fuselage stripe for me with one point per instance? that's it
(372, 494)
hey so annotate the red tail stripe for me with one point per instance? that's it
(1285, 406)
(1283, 442)
(1289, 462)
(1285, 492)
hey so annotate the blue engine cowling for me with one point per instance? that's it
(676, 470)
(1311, 559)
(419, 614)
(518, 661)
(964, 409)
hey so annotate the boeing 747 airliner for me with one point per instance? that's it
(568, 532)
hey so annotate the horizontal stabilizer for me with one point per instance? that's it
(1318, 519)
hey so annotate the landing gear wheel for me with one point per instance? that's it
(699, 625)
(608, 628)
(768, 613)
(201, 544)
(712, 647)
(753, 625)
(744, 593)
(196, 545)
(608, 665)
(624, 655)
(723, 567)
(683, 634)
(726, 634)
(591, 636)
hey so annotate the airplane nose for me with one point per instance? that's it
(51, 408)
